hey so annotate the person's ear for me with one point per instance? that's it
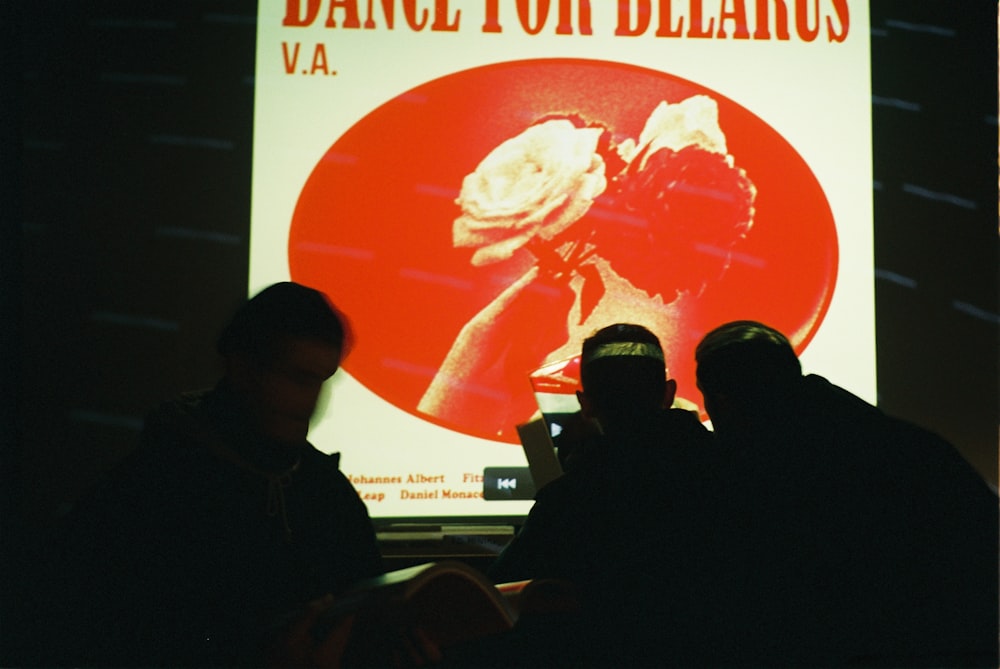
(669, 393)
(586, 407)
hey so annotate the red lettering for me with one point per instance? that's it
(565, 26)
(293, 13)
(643, 17)
(441, 17)
(763, 30)
(524, 15)
(634, 18)
(697, 29)
(351, 17)
(806, 33)
(290, 62)
(410, 12)
(664, 29)
(738, 16)
(840, 6)
(319, 60)
(492, 23)
(441, 23)
(388, 10)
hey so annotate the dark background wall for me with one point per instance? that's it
(127, 156)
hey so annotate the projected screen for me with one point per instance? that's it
(481, 184)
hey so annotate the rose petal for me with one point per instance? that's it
(499, 251)
(691, 122)
(537, 183)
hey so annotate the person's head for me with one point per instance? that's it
(743, 367)
(279, 348)
(623, 375)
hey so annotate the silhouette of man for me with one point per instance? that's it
(225, 518)
(628, 525)
(863, 539)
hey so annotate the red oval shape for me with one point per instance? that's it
(373, 229)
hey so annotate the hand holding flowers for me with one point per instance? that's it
(663, 212)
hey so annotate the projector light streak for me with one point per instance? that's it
(976, 312)
(421, 371)
(736, 256)
(746, 259)
(334, 250)
(895, 102)
(200, 235)
(340, 158)
(920, 28)
(436, 279)
(920, 191)
(446, 192)
(893, 277)
(600, 213)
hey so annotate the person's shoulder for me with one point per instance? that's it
(687, 424)
(823, 407)
(324, 462)
(173, 436)
(575, 485)
(566, 484)
(926, 450)
(180, 416)
(816, 388)
(162, 454)
(322, 470)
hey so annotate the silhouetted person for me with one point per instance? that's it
(630, 524)
(225, 518)
(864, 539)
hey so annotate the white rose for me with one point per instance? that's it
(535, 184)
(691, 122)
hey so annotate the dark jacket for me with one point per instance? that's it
(863, 538)
(634, 525)
(205, 537)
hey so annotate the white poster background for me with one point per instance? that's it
(815, 94)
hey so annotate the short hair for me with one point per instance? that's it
(280, 312)
(745, 357)
(622, 369)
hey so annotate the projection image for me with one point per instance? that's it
(479, 198)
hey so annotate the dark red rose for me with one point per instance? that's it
(670, 226)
